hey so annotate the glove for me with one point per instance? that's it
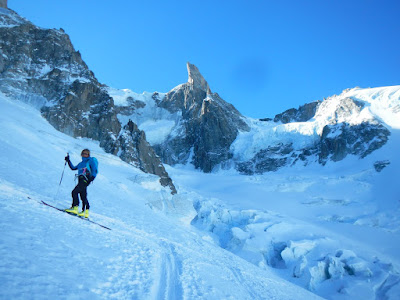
(67, 158)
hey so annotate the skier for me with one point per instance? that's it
(87, 171)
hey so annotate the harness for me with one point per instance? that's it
(87, 170)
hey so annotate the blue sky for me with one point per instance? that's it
(262, 56)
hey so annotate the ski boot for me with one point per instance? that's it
(84, 213)
(73, 210)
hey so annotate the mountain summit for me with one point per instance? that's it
(206, 124)
(196, 79)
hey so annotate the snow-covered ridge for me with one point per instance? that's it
(352, 107)
(124, 97)
(384, 102)
(381, 104)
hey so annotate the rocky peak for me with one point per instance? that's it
(196, 79)
(3, 3)
(37, 65)
(207, 124)
(41, 67)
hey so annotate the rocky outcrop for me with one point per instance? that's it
(3, 3)
(196, 79)
(208, 127)
(380, 165)
(302, 114)
(134, 148)
(85, 111)
(41, 67)
(345, 135)
(267, 160)
(339, 140)
(37, 65)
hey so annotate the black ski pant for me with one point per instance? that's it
(80, 190)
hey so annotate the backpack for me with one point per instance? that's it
(95, 166)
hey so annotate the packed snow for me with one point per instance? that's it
(299, 233)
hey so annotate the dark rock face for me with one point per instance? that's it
(208, 128)
(267, 160)
(41, 67)
(340, 140)
(134, 148)
(302, 114)
(85, 111)
(380, 165)
(37, 64)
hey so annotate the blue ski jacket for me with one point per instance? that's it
(86, 165)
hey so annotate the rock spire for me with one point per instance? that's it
(196, 79)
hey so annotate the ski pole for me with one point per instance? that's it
(62, 175)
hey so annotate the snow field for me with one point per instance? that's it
(151, 252)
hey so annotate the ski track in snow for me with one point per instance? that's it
(169, 286)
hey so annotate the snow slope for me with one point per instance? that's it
(151, 252)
